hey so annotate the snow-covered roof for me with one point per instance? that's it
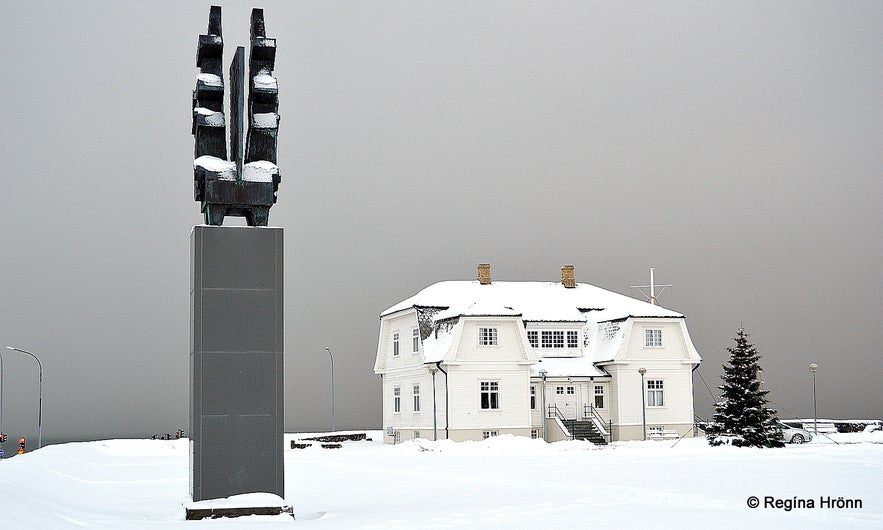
(566, 367)
(534, 301)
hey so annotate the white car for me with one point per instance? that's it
(794, 435)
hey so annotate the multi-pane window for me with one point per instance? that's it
(416, 398)
(416, 434)
(490, 395)
(534, 434)
(572, 339)
(533, 337)
(397, 399)
(557, 339)
(553, 338)
(599, 397)
(415, 340)
(570, 391)
(395, 343)
(533, 397)
(488, 434)
(656, 430)
(655, 397)
(652, 337)
(487, 336)
(559, 390)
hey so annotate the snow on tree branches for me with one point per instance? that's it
(741, 416)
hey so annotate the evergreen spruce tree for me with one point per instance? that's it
(741, 416)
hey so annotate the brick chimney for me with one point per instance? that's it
(484, 274)
(567, 279)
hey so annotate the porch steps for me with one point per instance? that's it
(585, 430)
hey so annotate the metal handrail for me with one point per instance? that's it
(555, 412)
(598, 421)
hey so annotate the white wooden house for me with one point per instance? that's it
(466, 360)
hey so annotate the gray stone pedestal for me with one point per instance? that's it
(236, 384)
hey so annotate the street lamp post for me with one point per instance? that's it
(643, 371)
(815, 421)
(40, 415)
(328, 349)
(433, 371)
(543, 374)
(1, 397)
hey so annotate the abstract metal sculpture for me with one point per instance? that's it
(246, 185)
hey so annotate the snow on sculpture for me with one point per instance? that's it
(245, 185)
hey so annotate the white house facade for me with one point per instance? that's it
(466, 360)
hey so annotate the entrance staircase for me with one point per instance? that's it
(585, 430)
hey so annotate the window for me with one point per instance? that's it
(555, 339)
(397, 399)
(655, 396)
(652, 338)
(533, 397)
(487, 336)
(490, 395)
(416, 398)
(488, 434)
(534, 434)
(570, 391)
(655, 431)
(599, 397)
(559, 390)
(416, 434)
(572, 339)
(395, 343)
(534, 338)
(415, 340)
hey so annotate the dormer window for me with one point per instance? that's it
(553, 339)
(652, 338)
(533, 337)
(572, 339)
(487, 336)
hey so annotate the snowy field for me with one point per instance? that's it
(505, 482)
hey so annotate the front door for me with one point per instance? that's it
(564, 397)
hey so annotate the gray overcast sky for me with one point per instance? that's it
(735, 147)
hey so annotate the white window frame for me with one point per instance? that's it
(571, 391)
(533, 337)
(559, 390)
(416, 397)
(534, 434)
(487, 336)
(599, 393)
(492, 390)
(415, 340)
(533, 397)
(416, 434)
(655, 393)
(395, 343)
(396, 400)
(489, 434)
(572, 339)
(653, 338)
(655, 430)
(554, 339)
(558, 339)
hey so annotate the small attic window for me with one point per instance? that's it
(487, 336)
(653, 338)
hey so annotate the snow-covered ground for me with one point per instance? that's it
(506, 482)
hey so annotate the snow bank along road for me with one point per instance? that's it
(506, 482)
